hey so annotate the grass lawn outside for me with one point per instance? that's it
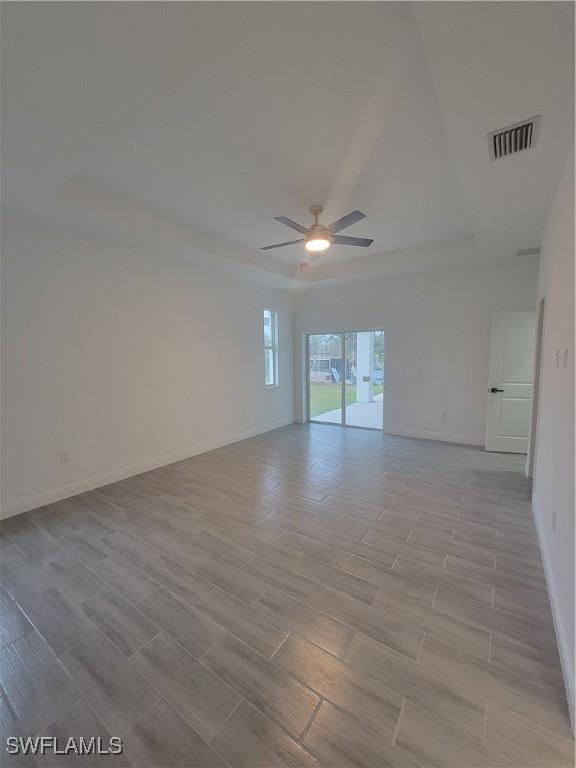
(328, 397)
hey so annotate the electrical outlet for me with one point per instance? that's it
(443, 414)
(64, 457)
(554, 518)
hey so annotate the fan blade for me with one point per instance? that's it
(281, 245)
(292, 224)
(346, 221)
(343, 240)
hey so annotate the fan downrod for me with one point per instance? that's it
(316, 210)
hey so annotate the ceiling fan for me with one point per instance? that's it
(317, 237)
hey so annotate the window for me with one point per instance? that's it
(270, 348)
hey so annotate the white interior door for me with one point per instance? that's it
(510, 385)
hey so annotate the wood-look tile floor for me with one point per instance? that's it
(314, 596)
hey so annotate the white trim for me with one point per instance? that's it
(65, 491)
(445, 437)
(563, 646)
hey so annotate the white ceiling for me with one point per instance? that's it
(494, 64)
(200, 122)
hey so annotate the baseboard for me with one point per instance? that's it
(563, 649)
(65, 491)
(445, 437)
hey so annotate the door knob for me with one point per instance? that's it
(493, 390)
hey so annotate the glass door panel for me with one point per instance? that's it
(325, 372)
(378, 368)
(365, 378)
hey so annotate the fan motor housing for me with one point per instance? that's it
(319, 232)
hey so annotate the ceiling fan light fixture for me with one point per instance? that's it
(317, 244)
(318, 238)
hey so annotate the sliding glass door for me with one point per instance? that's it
(346, 378)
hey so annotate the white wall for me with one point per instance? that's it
(125, 360)
(553, 490)
(437, 326)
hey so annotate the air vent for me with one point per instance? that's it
(513, 139)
